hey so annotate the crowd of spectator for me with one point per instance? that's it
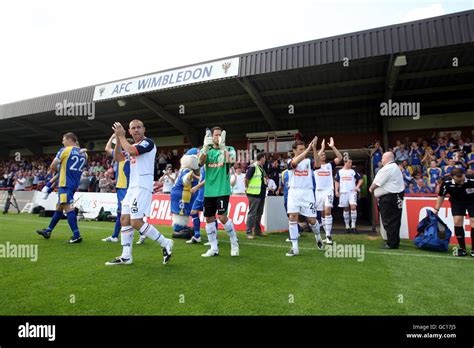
(424, 163)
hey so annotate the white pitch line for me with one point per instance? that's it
(301, 248)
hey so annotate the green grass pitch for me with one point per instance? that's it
(73, 280)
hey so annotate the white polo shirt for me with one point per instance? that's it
(389, 179)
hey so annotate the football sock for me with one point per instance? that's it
(459, 230)
(347, 218)
(212, 235)
(293, 230)
(328, 221)
(229, 227)
(117, 226)
(72, 221)
(196, 225)
(126, 239)
(54, 220)
(353, 218)
(151, 232)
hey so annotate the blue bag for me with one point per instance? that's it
(433, 234)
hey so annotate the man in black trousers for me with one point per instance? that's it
(460, 188)
(388, 188)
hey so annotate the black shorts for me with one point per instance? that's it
(459, 208)
(215, 204)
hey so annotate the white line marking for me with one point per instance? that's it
(301, 248)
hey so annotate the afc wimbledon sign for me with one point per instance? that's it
(167, 79)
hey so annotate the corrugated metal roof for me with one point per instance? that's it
(45, 103)
(428, 33)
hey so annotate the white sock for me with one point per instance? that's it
(323, 223)
(151, 232)
(347, 218)
(315, 228)
(212, 235)
(328, 221)
(353, 218)
(229, 227)
(126, 240)
(293, 229)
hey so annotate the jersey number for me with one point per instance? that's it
(77, 160)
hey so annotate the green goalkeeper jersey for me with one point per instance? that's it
(217, 173)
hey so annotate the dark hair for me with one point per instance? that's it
(260, 155)
(297, 143)
(215, 128)
(457, 172)
(71, 136)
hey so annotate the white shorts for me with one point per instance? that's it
(137, 203)
(347, 198)
(301, 201)
(324, 199)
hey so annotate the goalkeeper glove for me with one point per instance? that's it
(222, 141)
(208, 142)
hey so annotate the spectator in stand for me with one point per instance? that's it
(271, 187)
(401, 154)
(29, 180)
(410, 188)
(429, 157)
(106, 184)
(168, 179)
(20, 182)
(95, 182)
(443, 159)
(470, 161)
(237, 181)
(376, 153)
(449, 167)
(84, 183)
(415, 155)
(440, 146)
(162, 159)
(420, 187)
(268, 165)
(433, 174)
(274, 173)
(407, 172)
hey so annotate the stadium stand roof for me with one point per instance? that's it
(327, 95)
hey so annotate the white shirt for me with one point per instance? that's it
(302, 175)
(271, 185)
(324, 176)
(347, 179)
(167, 182)
(389, 179)
(239, 186)
(20, 184)
(142, 166)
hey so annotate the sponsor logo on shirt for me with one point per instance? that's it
(301, 173)
(346, 178)
(215, 165)
(324, 174)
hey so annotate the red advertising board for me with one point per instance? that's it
(415, 211)
(160, 211)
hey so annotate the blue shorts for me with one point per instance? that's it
(198, 204)
(66, 195)
(178, 206)
(121, 192)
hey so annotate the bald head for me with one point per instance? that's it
(388, 157)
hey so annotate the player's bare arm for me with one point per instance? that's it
(338, 158)
(108, 147)
(120, 136)
(302, 156)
